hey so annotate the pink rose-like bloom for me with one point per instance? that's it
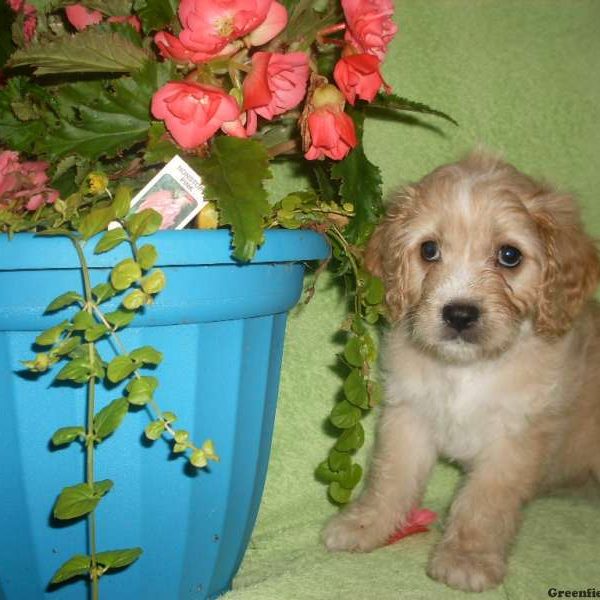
(276, 84)
(370, 25)
(332, 133)
(81, 17)
(16, 5)
(210, 25)
(193, 112)
(24, 181)
(171, 47)
(274, 23)
(358, 75)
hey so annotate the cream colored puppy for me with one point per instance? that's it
(493, 361)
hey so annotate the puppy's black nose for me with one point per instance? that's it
(460, 316)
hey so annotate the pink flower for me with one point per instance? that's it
(358, 75)
(274, 23)
(210, 25)
(370, 25)
(16, 5)
(30, 24)
(81, 17)
(171, 47)
(24, 182)
(276, 84)
(329, 130)
(192, 112)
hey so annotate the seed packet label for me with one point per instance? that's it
(176, 192)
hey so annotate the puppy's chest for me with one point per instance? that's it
(466, 409)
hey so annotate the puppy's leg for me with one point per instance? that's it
(403, 458)
(485, 516)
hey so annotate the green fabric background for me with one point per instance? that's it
(521, 77)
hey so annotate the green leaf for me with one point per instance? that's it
(119, 368)
(360, 186)
(147, 256)
(102, 118)
(78, 370)
(233, 176)
(64, 300)
(375, 393)
(396, 103)
(122, 201)
(181, 436)
(355, 390)
(52, 335)
(154, 282)
(352, 352)
(95, 221)
(115, 559)
(147, 355)
(90, 51)
(125, 273)
(111, 239)
(338, 493)
(374, 291)
(120, 318)
(66, 435)
(83, 320)
(351, 439)
(155, 429)
(74, 567)
(145, 222)
(350, 477)
(155, 14)
(198, 459)
(78, 500)
(110, 417)
(135, 299)
(324, 472)
(339, 461)
(140, 390)
(95, 332)
(345, 415)
(103, 292)
(111, 8)
(66, 346)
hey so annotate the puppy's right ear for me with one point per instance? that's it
(373, 252)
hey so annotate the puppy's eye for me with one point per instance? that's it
(430, 251)
(509, 256)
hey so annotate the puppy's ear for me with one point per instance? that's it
(571, 270)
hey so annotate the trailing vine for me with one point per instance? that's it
(74, 341)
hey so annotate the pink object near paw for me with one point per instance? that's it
(418, 521)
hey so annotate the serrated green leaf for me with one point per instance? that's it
(155, 429)
(119, 368)
(115, 559)
(120, 318)
(147, 355)
(345, 415)
(51, 335)
(147, 256)
(66, 435)
(155, 14)
(145, 222)
(110, 417)
(74, 567)
(234, 176)
(140, 390)
(125, 273)
(111, 239)
(89, 51)
(351, 439)
(64, 300)
(111, 8)
(338, 493)
(396, 103)
(355, 390)
(154, 282)
(78, 500)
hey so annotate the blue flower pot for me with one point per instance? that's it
(221, 326)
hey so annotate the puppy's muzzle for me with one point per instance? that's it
(460, 316)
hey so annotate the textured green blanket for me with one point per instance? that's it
(522, 77)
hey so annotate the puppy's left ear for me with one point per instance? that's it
(571, 270)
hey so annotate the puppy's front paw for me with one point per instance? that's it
(359, 528)
(466, 571)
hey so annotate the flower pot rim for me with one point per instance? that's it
(26, 251)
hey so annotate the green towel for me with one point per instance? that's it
(521, 77)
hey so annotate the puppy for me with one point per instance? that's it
(493, 361)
